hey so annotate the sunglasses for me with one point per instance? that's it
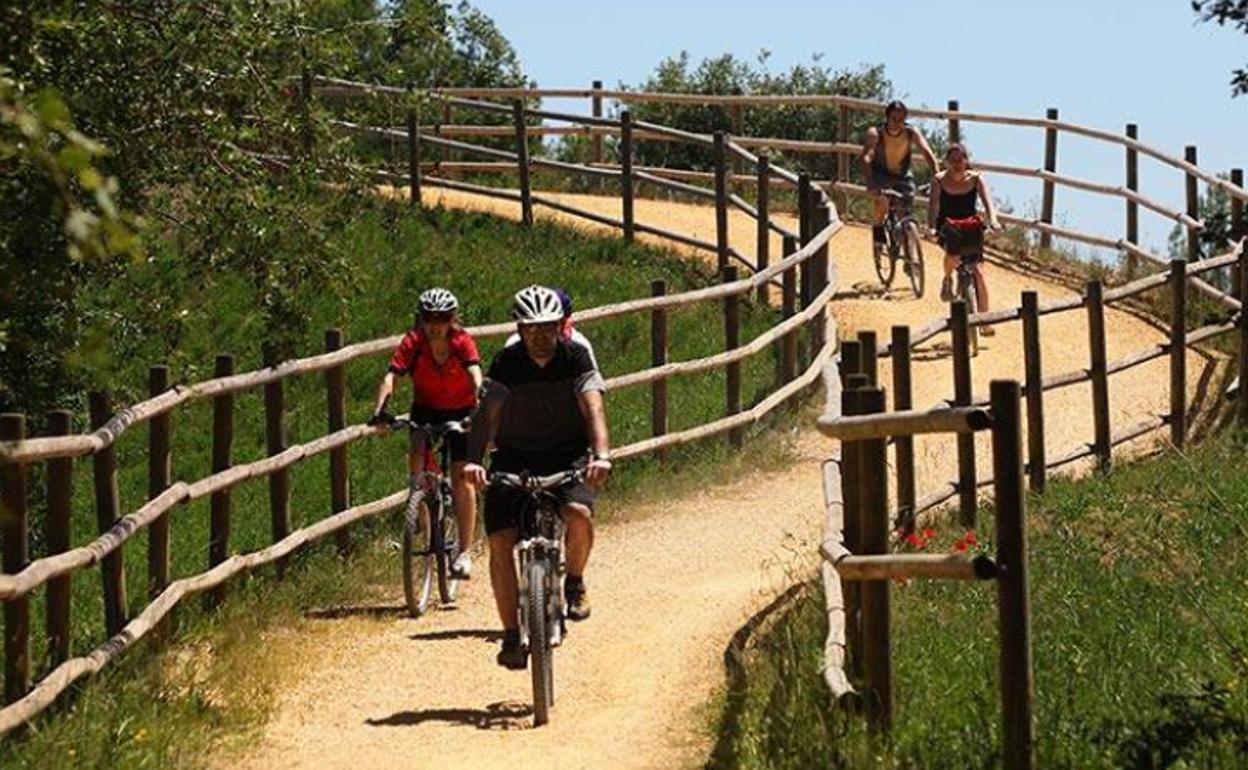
(436, 318)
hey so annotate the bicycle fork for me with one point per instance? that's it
(549, 551)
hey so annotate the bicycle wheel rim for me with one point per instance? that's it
(418, 562)
(885, 265)
(914, 255)
(448, 587)
(541, 657)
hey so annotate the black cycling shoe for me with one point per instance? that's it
(578, 601)
(511, 655)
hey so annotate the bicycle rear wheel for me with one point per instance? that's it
(541, 656)
(913, 247)
(447, 550)
(885, 261)
(417, 555)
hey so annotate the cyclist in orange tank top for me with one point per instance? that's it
(886, 161)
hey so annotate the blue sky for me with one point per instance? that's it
(1100, 62)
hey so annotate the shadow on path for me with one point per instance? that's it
(504, 715)
(484, 634)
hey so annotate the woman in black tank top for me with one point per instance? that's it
(957, 189)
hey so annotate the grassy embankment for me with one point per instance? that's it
(165, 710)
(1140, 636)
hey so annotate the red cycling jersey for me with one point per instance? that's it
(438, 386)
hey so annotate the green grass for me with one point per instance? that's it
(1140, 639)
(144, 712)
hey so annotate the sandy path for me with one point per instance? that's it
(669, 589)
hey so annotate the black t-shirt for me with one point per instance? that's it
(541, 429)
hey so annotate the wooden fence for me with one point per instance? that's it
(802, 274)
(859, 519)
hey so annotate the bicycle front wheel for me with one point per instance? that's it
(447, 550)
(417, 555)
(541, 656)
(913, 246)
(885, 264)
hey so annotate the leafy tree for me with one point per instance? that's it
(1235, 14)
(729, 75)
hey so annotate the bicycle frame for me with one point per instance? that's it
(541, 540)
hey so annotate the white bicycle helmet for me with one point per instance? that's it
(438, 300)
(536, 305)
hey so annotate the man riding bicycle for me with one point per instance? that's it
(542, 406)
(886, 162)
(442, 360)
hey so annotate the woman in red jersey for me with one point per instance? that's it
(442, 360)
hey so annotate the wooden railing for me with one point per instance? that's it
(858, 564)
(802, 273)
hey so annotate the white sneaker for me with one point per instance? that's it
(461, 568)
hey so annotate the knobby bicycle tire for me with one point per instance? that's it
(417, 555)
(913, 247)
(541, 656)
(885, 262)
(448, 587)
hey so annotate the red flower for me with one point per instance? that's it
(960, 546)
(970, 537)
(928, 533)
(915, 540)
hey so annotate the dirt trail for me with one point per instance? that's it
(669, 589)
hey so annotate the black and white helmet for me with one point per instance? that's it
(536, 305)
(438, 300)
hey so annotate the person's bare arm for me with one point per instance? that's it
(989, 207)
(474, 372)
(869, 145)
(933, 203)
(593, 409)
(482, 431)
(384, 391)
(926, 149)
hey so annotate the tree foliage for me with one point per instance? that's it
(1235, 14)
(727, 75)
(197, 129)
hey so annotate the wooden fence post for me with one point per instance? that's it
(626, 174)
(804, 232)
(721, 203)
(1037, 465)
(1237, 221)
(444, 153)
(851, 481)
(336, 394)
(1178, 352)
(1133, 208)
(1013, 603)
(1193, 205)
(842, 136)
(1241, 407)
(658, 357)
(275, 443)
(222, 452)
(762, 252)
(522, 162)
(159, 478)
(788, 356)
(737, 113)
(967, 479)
(1095, 300)
(14, 556)
(1050, 165)
(595, 139)
(875, 593)
(868, 343)
(851, 362)
(107, 503)
(903, 399)
(413, 155)
(732, 340)
(305, 104)
(955, 126)
(60, 539)
(818, 274)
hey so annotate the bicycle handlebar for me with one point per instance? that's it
(537, 483)
(433, 429)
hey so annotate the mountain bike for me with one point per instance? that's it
(540, 560)
(430, 530)
(901, 242)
